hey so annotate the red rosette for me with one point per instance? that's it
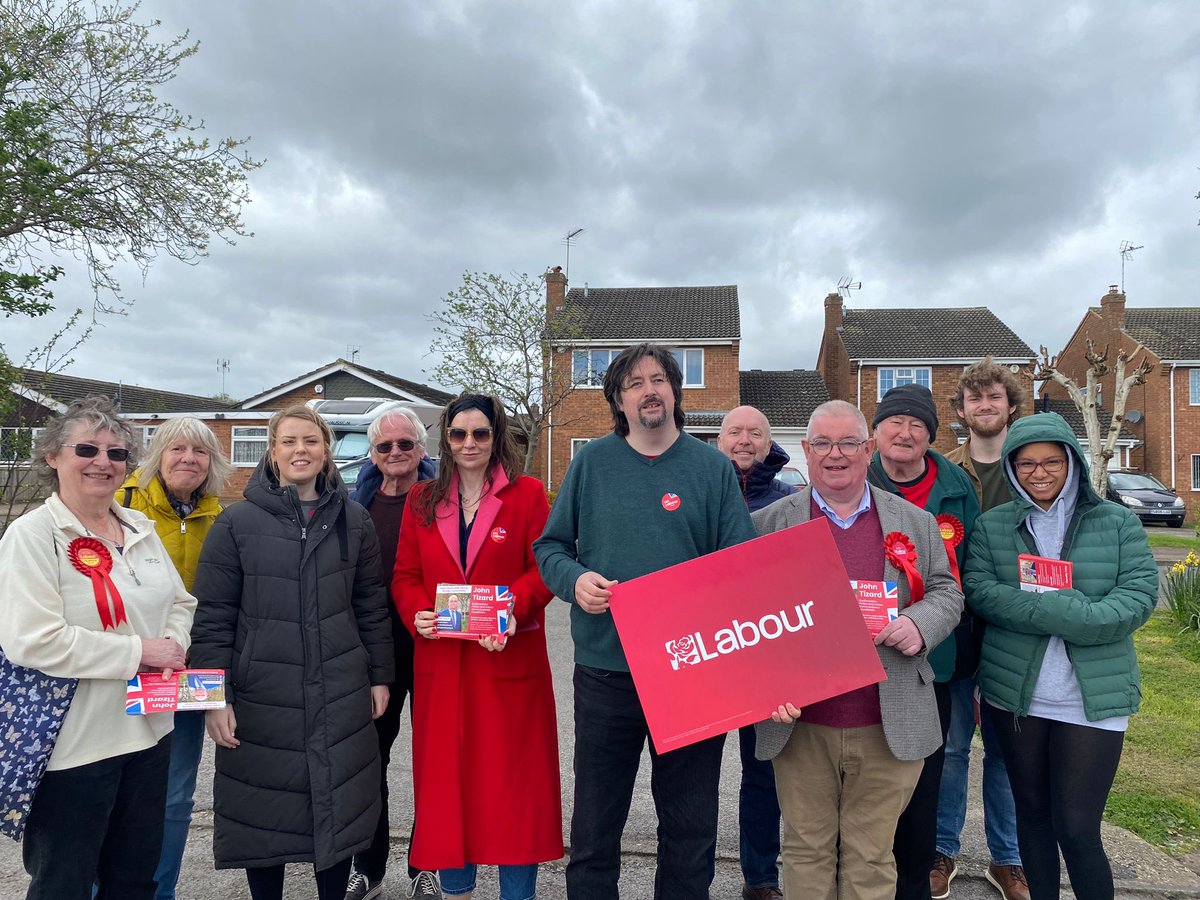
(951, 529)
(902, 553)
(91, 558)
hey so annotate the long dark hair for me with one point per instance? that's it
(626, 362)
(504, 451)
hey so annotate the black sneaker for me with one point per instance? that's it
(360, 887)
(425, 887)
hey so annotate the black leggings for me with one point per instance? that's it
(267, 884)
(916, 829)
(1061, 775)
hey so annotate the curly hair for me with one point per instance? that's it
(94, 414)
(983, 374)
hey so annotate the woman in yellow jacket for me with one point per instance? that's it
(177, 487)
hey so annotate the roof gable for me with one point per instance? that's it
(400, 388)
(652, 314)
(967, 332)
(786, 397)
(1170, 332)
(131, 399)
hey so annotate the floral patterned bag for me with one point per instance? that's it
(32, 708)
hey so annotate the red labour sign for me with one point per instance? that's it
(721, 641)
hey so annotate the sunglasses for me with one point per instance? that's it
(459, 435)
(87, 451)
(385, 447)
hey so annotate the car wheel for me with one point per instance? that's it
(1178, 524)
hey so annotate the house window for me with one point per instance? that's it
(576, 444)
(16, 444)
(1196, 471)
(1194, 387)
(691, 363)
(890, 378)
(588, 366)
(147, 434)
(248, 445)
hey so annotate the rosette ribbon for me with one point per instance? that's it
(900, 552)
(952, 532)
(91, 558)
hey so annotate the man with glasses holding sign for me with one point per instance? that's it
(398, 461)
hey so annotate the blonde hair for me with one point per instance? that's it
(306, 414)
(192, 430)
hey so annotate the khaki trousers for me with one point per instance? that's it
(841, 791)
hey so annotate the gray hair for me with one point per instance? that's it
(838, 408)
(375, 429)
(192, 430)
(95, 414)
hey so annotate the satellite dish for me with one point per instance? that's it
(1133, 416)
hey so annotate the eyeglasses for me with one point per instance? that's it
(1051, 466)
(87, 451)
(459, 435)
(824, 446)
(385, 447)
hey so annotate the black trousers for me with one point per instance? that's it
(916, 829)
(100, 824)
(267, 883)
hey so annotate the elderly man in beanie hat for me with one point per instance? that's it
(906, 423)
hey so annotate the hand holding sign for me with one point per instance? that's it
(902, 634)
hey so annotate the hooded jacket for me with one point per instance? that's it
(295, 613)
(370, 480)
(1114, 590)
(761, 486)
(183, 538)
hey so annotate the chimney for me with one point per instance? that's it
(556, 290)
(1112, 309)
(833, 311)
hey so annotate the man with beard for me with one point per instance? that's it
(906, 424)
(988, 399)
(746, 439)
(638, 500)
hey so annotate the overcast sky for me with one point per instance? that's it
(943, 154)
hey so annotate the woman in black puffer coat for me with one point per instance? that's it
(291, 606)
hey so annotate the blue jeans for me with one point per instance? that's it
(187, 743)
(610, 734)
(758, 816)
(516, 882)
(999, 813)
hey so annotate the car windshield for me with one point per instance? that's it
(1135, 481)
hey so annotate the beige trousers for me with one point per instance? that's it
(841, 791)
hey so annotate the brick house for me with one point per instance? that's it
(866, 352)
(1164, 413)
(701, 324)
(787, 398)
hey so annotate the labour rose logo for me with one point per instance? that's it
(670, 502)
(683, 652)
(499, 535)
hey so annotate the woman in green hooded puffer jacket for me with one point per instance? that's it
(1058, 673)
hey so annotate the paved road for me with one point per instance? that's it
(1138, 865)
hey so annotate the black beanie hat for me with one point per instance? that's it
(909, 400)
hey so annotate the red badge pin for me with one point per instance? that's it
(670, 502)
(499, 535)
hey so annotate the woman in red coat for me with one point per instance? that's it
(485, 738)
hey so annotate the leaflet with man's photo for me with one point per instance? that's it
(472, 611)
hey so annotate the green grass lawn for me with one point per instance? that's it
(1185, 538)
(1157, 790)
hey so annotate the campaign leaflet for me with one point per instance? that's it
(1040, 574)
(187, 689)
(472, 611)
(879, 602)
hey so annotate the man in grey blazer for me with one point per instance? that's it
(846, 767)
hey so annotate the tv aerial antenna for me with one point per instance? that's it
(568, 241)
(222, 368)
(845, 286)
(1127, 249)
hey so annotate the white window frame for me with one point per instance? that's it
(1196, 471)
(576, 443)
(681, 356)
(593, 379)
(912, 375)
(238, 435)
(1194, 388)
(147, 435)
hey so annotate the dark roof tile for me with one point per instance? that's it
(967, 332)
(1172, 333)
(1069, 411)
(787, 398)
(131, 397)
(653, 314)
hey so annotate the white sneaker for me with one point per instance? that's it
(360, 887)
(425, 887)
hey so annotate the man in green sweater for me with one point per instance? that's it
(638, 500)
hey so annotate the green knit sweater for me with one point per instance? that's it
(623, 515)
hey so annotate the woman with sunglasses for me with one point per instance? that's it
(90, 593)
(485, 738)
(1058, 674)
